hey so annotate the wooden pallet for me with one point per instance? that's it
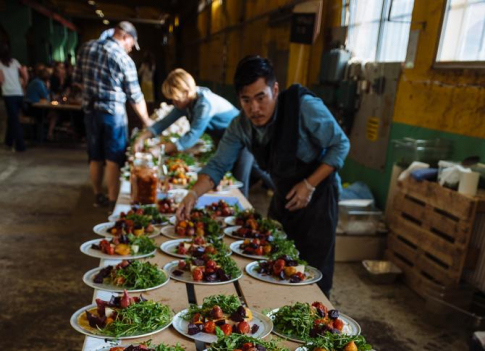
(431, 228)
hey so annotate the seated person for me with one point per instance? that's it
(38, 91)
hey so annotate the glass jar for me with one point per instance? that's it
(144, 180)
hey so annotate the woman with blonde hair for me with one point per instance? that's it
(205, 111)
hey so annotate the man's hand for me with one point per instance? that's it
(187, 204)
(298, 197)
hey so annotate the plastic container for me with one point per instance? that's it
(355, 220)
(382, 272)
(144, 180)
(407, 150)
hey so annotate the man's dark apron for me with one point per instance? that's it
(313, 227)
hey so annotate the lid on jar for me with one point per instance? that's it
(143, 159)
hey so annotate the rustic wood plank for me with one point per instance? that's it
(450, 254)
(448, 200)
(458, 230)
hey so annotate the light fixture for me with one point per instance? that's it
(170, 28)
(100, 13)
(176, 21)
(91, 2)
(106, 22)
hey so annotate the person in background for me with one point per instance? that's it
(12, 77)
(38, 88)
(294, 137)
(206, 112)
(109, 78)
(145, 74)
(58, 80)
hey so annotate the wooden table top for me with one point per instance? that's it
(52, 106)
(258, 295)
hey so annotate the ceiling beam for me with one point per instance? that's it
(116, 19)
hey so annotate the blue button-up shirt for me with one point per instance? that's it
(320, 138)
(210, 112)
(108, 76)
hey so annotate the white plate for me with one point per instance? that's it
(170, 248)
(315, 276)
(235, 248)
(351, 327)
(169, 232)
(87, 250)
(186, 277)
(229, 231)
(231, 221)
(264, 322)
(76, 326)
(89, 277)
(102, 229)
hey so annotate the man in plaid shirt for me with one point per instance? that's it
(109, 78)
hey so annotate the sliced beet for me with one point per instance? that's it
(193, 329)
(177, 272)
(95, 321)
(254, 329)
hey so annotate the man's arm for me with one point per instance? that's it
(142, 112)
(133, 91)
(209, 177)
(324, 131)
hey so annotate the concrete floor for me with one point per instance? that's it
(47, 212)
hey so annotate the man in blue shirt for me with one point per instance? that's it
(109, 78)
(294, 137)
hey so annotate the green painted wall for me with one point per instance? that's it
(379, 181)
(58, 40)
(16, 20)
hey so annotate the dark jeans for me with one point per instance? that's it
(242, 169)
(14, 136)
(245, 167)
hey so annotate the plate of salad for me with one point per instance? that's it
(122, 317)
(195, 247)
(204, 226)
(128, 247)
(260, 249)
(212, 270)
(244, 342)
(229, 182)
(301, 321)
(224, 313)
(154, 211)
(337, 342)
(115, 229)
(238, 232)
(143, 347)
(133, 276)
(284, 270)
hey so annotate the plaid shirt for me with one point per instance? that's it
(108, 76)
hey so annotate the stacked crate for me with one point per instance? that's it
(431, 229)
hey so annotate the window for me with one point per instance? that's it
(463, 32)
(378, 30)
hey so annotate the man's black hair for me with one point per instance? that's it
(250, 69)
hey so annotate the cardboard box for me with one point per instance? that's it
(355, 248)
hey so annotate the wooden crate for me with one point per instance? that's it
(431, 228)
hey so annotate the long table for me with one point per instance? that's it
(258, 295)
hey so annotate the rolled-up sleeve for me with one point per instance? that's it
(200, 120)
(324, 132)
(158, 127)
(227, 153)
(131, 86)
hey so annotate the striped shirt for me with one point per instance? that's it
(108, 76)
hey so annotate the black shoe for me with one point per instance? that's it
(100, 200)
